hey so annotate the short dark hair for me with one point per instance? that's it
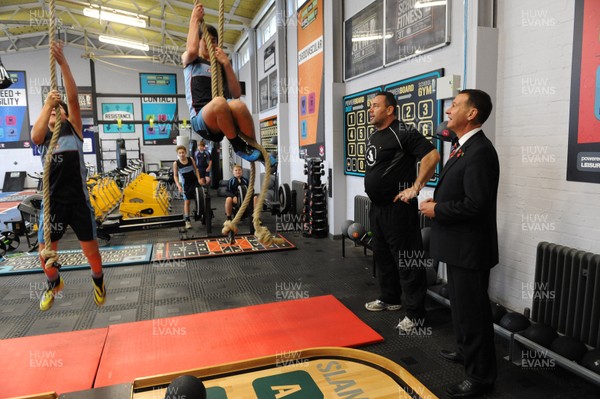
(390, 100)
(480, 100)
(65, 107)
(211, 31)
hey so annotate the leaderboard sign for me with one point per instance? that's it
(417, 106)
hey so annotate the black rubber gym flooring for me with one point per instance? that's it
(155, 290)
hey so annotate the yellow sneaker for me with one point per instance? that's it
(99, 294)
(47, 299)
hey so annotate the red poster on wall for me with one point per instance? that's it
(583, 162)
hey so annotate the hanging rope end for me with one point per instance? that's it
(50, 257)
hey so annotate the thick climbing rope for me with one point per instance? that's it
(261, 232)
(50, 256)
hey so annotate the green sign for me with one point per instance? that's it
(293, 385)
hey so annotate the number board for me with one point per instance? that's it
(417, 106)
(358, 130)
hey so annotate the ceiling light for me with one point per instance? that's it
(123, 42)
(425, 3)
(120, 17)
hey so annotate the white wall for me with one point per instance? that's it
(109, 79)
(536, 203)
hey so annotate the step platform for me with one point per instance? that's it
(189, 249)
(119, 255)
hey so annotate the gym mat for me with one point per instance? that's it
(62, 362)
(159, 346)
(17, 197)
(119, 255)
(214, 247)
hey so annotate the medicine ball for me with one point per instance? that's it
(356, 231)
(186, 387)
(569, 347)
(498, 312)
(345, 227)
(591, 360)
(541, 334)
(514, 322)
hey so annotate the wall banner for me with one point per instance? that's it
(310, 80)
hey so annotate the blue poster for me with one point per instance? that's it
(116, 111)
(14, 116)
(159, 110)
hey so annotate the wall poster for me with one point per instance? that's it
(412, 29)
(363, 38)
(162, 110)
(14, 114)
(310, 80)
(583, 161)
(123, 111)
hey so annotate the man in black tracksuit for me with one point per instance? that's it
(392, 184)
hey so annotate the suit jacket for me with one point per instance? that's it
(464, 230)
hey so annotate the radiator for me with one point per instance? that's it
(566, 292)
(362, 206)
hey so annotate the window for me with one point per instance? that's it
(244, 54)
(267, 29)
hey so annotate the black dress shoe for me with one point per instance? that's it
(452, 356)
(468, 389)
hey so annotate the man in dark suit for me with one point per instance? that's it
(464, 236)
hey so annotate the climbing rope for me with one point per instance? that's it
(50, 256)
(261, 232)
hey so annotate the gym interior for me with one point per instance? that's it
(287, 319)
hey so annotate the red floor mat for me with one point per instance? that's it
(61, 362)
(165, 345)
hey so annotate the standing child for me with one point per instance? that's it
(204, 163)
(69, 197)
(186, 174)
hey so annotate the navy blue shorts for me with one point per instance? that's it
(200, 127)
(79, 216)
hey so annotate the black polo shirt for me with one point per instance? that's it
(391, 161)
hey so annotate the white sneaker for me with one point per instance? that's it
(377, 306)
(405, 324)
(188, 224)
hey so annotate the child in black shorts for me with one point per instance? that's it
(186, 175)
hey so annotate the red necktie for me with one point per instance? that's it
(454, 149)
